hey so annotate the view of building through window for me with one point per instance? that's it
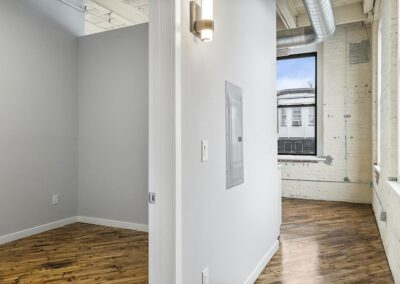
(296, 77)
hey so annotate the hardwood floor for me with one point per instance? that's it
(77, 253)
(321, 242)
(327, 242)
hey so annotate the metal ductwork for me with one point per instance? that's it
(322, 21)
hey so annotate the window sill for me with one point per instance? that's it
(395, 186)
(300, 159)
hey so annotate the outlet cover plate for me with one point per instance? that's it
(54, 199)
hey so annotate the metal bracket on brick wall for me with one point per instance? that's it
(328, 159)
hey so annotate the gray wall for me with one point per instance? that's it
(229, 231)
(113, 125)
(38, 112)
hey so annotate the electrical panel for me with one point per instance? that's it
(234, 135)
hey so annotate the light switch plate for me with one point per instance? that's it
(204, 150)
(205, 276)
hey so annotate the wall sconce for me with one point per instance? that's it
(201, 20)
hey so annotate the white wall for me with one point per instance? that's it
(113, 125)
(38, 113)
(229, 231)
(346, 132)
(386, 196)
(164, 143)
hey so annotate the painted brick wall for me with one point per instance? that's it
(386, 195)
(346, 133)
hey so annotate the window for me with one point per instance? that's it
(296, 116)
(283, 117)
(297, 103)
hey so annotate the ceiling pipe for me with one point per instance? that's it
(322, 21)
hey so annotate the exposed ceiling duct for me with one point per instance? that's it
(322, 21)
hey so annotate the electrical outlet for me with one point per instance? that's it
(54, 199)
(205, 276)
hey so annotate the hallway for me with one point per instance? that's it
(327, 242)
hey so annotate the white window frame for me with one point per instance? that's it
(379, 97)
(398, 92)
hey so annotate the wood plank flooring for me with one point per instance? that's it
(77, 253)
(327, 242)
(321, 242)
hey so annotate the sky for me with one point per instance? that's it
(295, 73)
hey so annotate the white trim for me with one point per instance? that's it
(60, 223)
(297, 158)
(262, 264)
(379, 96)
(178, 265)
(395, 185)
(164, 142)
(36, 230)
(112, 223)
(398, 92)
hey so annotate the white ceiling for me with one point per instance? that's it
(291, 14)
(298, 4)
(105, 15)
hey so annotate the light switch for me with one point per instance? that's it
(205, 276)
(204, 150)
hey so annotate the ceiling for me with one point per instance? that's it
(105, 15)
(298, 4)
(292, 14)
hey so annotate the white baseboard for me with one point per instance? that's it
(36, 230)
(262, 264)
(60, 223)
(113, 223)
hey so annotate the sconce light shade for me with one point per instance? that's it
(201, 20)
(206, 34)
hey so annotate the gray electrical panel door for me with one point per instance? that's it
(234, 135)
